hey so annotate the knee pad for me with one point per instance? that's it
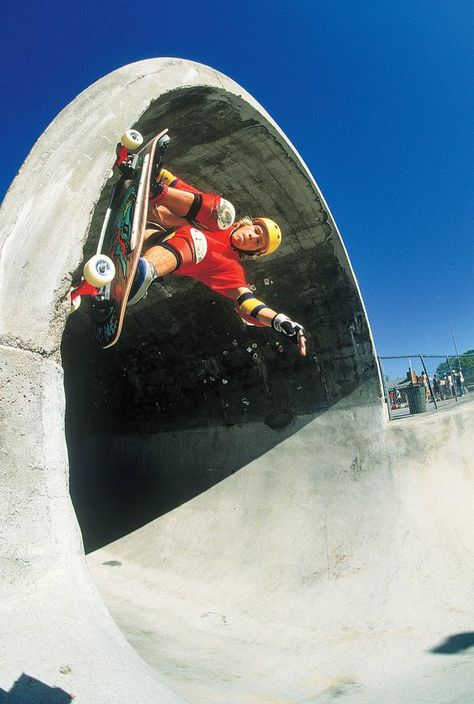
(188, 247)
(211, 212)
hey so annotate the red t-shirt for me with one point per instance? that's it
(220, 268)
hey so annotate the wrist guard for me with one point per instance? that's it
(289, 328)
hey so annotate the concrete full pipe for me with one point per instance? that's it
(266, 538)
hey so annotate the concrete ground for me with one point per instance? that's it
(404, 411)
(337, 566)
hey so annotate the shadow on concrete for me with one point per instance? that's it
(119, 483)
(27, 690)
(455, 644)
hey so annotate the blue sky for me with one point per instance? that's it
(376, 96)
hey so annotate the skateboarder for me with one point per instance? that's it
(206, 244)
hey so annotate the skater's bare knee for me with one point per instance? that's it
(164, 261)
(164, 217)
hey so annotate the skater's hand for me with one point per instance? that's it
(302, 345)
(291, 329)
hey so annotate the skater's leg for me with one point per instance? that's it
(207, 210)
(155, 262)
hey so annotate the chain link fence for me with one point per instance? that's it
(419, 383)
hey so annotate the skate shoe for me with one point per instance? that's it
(146, 274)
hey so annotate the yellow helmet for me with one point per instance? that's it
(274, 234)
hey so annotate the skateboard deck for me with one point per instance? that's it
(122, 237)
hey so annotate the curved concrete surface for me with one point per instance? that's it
(323, 555)
(339, 565)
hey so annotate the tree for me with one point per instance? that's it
(467, 366)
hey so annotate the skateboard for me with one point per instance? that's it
(109, 274)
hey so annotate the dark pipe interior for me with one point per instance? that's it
(189, 394)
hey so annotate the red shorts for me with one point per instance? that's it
(207, 257)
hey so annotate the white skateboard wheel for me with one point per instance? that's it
(75, 303)
(99, 270)
(132, 139)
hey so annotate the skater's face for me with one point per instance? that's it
(250, 238)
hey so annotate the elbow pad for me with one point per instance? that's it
(249, 305)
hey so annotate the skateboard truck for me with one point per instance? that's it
(161, 148)
(101, 309)
(126, 162)
(98, 272)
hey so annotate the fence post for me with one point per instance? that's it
(385, 390)
(429, 382)
(454, 383)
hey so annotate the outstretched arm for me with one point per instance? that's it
(251, 307)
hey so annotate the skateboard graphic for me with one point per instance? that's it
(109, 274)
